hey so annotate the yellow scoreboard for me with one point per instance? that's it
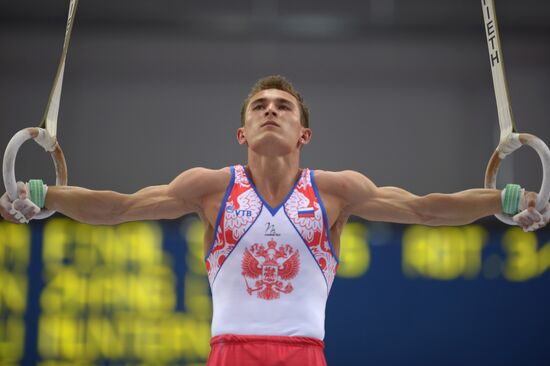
(137, 293)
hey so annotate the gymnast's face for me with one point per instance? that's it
(272, 124)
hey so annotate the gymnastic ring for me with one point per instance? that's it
(49, 143)
(544, 153)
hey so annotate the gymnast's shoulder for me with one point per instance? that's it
(202, 181)
(344, 184)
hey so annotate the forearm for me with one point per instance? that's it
(363, 198)
(84, 205)
(459, 208)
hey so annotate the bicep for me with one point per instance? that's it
(181, 196)
(152, 203)
(389, 204)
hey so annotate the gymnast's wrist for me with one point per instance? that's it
(510, 199)
(37, 192)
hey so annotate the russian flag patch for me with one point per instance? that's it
(306, 212)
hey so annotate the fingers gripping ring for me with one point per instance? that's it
(500, 153)
(49, 143)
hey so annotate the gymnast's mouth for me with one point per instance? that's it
(270, 123)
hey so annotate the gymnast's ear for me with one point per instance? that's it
(241, 138)
(305, 136)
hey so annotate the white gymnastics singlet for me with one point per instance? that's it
(270, 269)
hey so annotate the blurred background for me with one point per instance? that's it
(399, 90)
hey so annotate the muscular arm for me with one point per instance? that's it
(363, 198)
(183, 195)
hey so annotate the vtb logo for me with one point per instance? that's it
(239, 213)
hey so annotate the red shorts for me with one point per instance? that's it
(246, 350)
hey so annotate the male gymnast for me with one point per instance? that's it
(273, 228)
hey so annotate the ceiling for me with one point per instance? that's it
(279, 18)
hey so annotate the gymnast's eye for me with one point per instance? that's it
(257, 107)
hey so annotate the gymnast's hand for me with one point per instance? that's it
(528, 218)
(22, 210)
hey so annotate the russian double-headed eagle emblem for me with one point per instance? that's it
(272, 268)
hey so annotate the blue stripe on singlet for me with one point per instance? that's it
(222, 210)
(325, 217)
(273, 210)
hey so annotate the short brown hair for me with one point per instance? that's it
(281, 83)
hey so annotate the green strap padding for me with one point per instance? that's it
(36, 190)
(510, 199)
